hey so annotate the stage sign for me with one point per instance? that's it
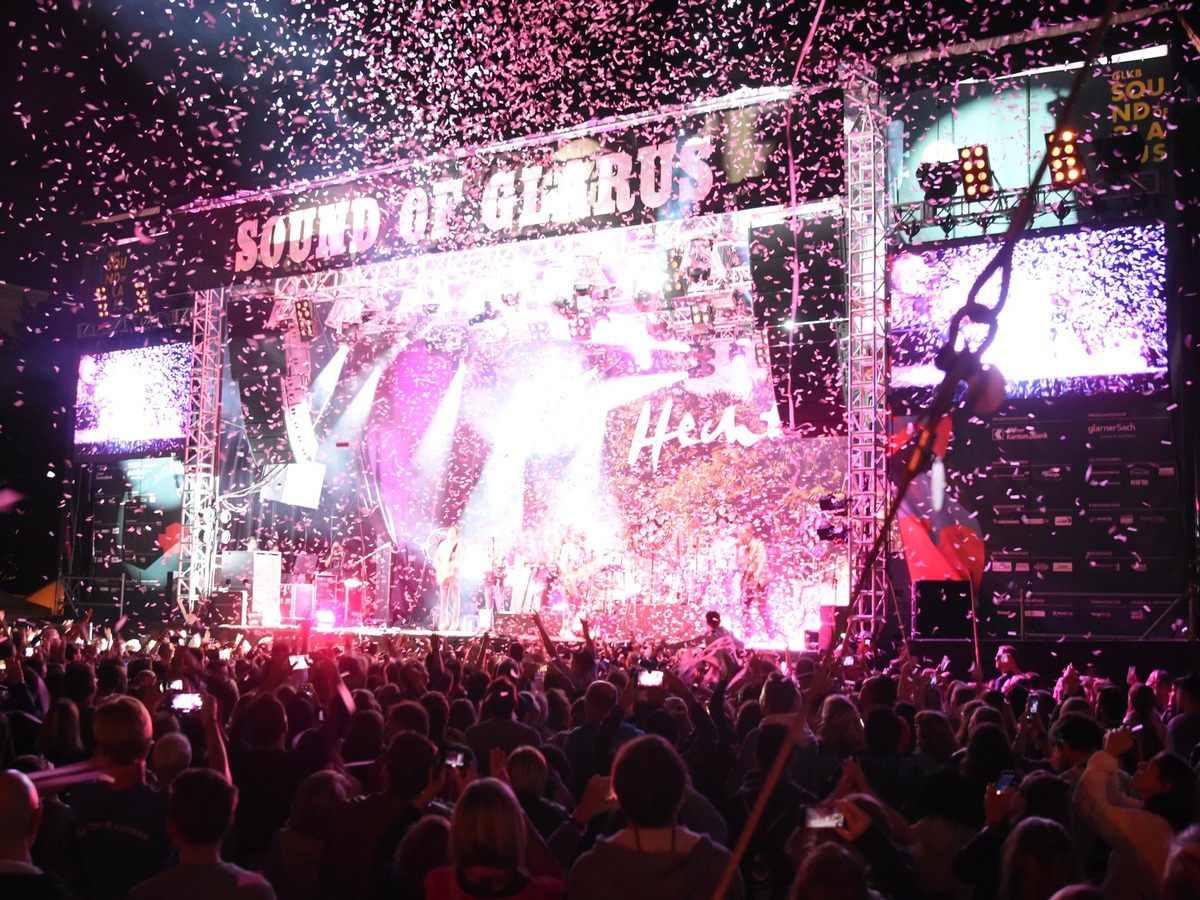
(669, 168)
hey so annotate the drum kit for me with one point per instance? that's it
(598, 585)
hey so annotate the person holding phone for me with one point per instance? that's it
(752, 578)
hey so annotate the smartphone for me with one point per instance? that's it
(1034, 702)
(847, 660)
(299, 661)
(1005, 781)
(823, 817)
(454, 759)
(176, 685)
(29, 651)
(225, 653)
(186, 703)
(649, 679)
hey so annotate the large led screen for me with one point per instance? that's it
(133, 402)
(1085, 313)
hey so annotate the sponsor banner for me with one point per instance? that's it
(1067, 495)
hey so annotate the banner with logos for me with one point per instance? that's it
(1070, 508)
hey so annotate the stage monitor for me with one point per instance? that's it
(134, 402)
(1086, 311)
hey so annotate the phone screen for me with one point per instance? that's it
(186, 702)
(823, 817)
(649, 679)
(1005, 781)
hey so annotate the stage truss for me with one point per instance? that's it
(866, 220)
(201, 526)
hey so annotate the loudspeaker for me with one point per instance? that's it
(941, 610)
(803, 330)
(226, 608)
(259, 366)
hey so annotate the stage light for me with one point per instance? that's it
(762, 355)
(305, 319)
(646, 301)
(837, 532)
(142, 297)
(976, 171)
(489, 312)
(939, 180)
(702, 313)
(737, 349)
(580, 328)
(1066, 165)
(832, 503)
(102, 302)
(676, 284)
(700, 361)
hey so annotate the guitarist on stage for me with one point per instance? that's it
(752, 569)
(445, 568)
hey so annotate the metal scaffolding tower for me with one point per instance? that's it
(200, 458)
(866, 229)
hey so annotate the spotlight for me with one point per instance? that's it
(645, 301)
(702, 313)
(938, 180)
(677, 283)
(700, 359)
(142, 296)
(489, 312)
(976, 171)
(737, 349)
(832, 503)
(1066, 165)
(762, 356)
(102, 302)
(305, 320)
(837, 532)
(580, 328)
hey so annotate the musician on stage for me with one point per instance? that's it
(752, 569)
(445, 567)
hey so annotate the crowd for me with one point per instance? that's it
(179, 766)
